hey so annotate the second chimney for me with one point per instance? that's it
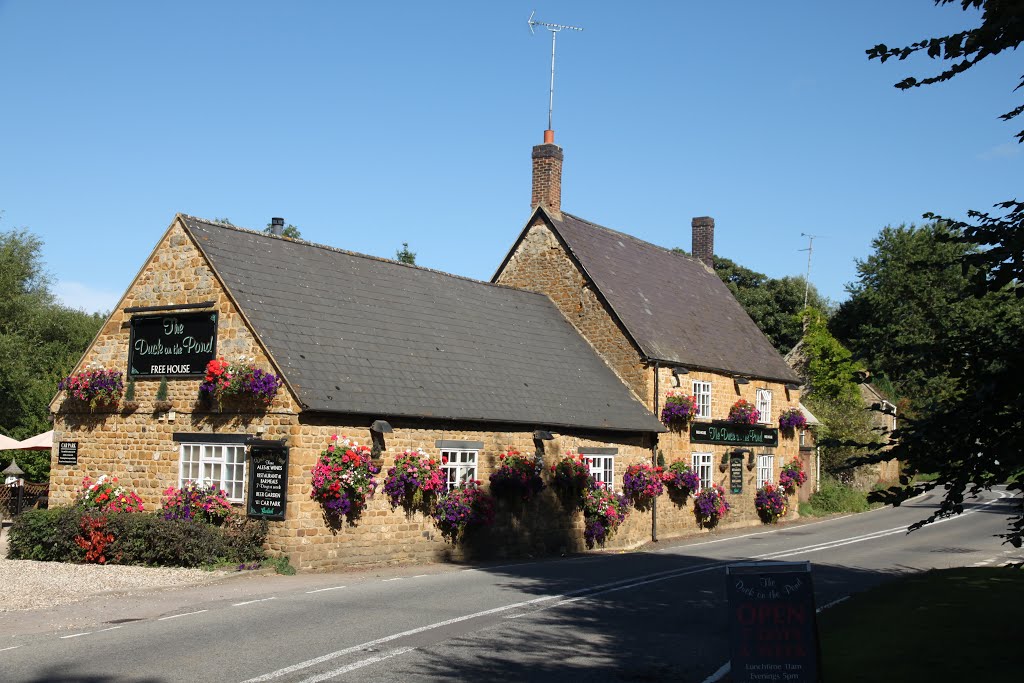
(547, 174)
(276, 226)
(704, 239)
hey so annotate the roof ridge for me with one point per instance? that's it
(688, 257)
(357, 254)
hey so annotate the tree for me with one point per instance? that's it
(40, 342)
(774, 304)
(968, 436)
(289, 231)
(403, 255)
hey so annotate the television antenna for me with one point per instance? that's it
(809, 250)
(555, 29)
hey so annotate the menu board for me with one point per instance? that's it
(268, 480)
(773, 634)
(736, 472)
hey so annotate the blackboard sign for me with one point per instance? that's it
(268, 480)
(67, 453)
(736, 472)
(731, 433)
(172, 345)
(773, 633)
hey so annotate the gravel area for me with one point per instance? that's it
(28, 585)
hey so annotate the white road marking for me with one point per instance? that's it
(13, 647)
(420, 576)
(75, 635)
(112, 628)
(186, 614)
(397, 578)
(357, 665)
(321, 590)
(832, 604)
(249, 602)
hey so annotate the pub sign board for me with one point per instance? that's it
(67, 453)
(172, 345)
(733, 434)
(773, 634)
(268, 480)
(736, 472)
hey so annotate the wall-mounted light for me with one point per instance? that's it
(377, 431)
(539, 437)
(382, 426)
(792, 386)
(542, 435)
(741, 380)
(676, 372)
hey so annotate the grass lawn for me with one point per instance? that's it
(943, 625)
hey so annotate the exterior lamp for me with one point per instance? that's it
(676, 371)
(377, 431)
(539, 437)
(741, 380)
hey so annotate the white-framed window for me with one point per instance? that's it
(764, 405)
(459, 466)
(702, 466)
(702, 392)
(602, 469)
(214, 464)
(803, 438)
(765, 469)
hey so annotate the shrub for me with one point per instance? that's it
(414, 479)
(46, 535)
(244, 538)
(516, 476)
(835, 498)
(95, 539)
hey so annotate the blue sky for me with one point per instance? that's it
(372, 124)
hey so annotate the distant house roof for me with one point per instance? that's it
(360, 334)
(809, 416)
(673, 307)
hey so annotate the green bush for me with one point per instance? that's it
(140, 538)
(833, 498)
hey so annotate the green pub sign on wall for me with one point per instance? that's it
(732, 434)
(172, 345)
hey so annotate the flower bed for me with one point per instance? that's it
(792, 418)
(464, 507)
(193, 500)
(710, 506)
(642, 483)
(679, 410)
(343, 477)
(680, 479)
(96, 387)
(414, 480)
(516, 477)
(743, 412)
(603, 512)
(571, 475)
(771, 503)
(792, 475)
(239, 381)
(106, 495)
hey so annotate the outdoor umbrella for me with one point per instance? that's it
(39, 442)
(7, 443)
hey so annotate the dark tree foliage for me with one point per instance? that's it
(970, 436)
(40, 342)
(1001, 28)
(403, 255)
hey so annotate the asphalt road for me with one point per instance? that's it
(649, 615)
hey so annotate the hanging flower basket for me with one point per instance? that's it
(679, 410)
(743, 412)
(642, 483)
(239, 381)
(571, 475)
(463, 508)
(680, 479)
(710, 506)
(771, 503)
(792, 476)
(516, 477)
(603, 512)
(343, 478)
(97, 388)
(414, 481)
(792, 418)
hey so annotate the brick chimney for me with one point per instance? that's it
(704, 239)
(547, 174)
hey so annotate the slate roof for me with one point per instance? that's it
(674, 308)
(360, 334)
